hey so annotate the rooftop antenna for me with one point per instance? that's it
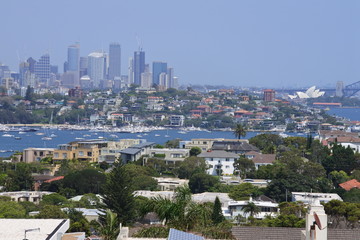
(138, 40)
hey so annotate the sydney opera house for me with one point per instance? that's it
(310, 93)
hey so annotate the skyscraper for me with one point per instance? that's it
(73, 58)
(138, 66)
(157, 68)
(42, 70)
(96, 67)
(114, 61)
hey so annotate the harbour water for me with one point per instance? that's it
(352, 114)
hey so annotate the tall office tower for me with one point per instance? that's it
(139, 66)
(131, 71)
(175, 82)
(42, 70)
(157, 68)
(96, 67)
(114, 61)
(73, 58)
(162, 82)
(83, 66)
(54, 69)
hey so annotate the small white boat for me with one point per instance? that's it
(157, 135)
(46, 138)
(7, 135)
(167, 136)
(39, 133)
(79, 138)
(53, 135)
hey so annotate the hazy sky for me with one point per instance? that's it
(270, 43)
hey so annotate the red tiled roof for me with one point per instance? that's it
(353, 183)
(54, 179)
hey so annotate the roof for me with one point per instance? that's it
(54, 179)
(14, 229)
(234, 146)
(284, 233)
(353, 183)
(264, 158)
(346, 139)
(130, 151)
(218, 154)
(180, 235)
(143, 145)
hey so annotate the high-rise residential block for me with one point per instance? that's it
(114, 61)
(158, 68)
(269, 95)
(138, 66)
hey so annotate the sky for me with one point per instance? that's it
(245, 43)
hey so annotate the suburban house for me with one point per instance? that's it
(309, 198)
(82, 150)
(170, 156)
(111, 152)
(352, 142)
(203, 143)
(260, 159)
(36, 154)
(26, 196)
(267, 208)
(348, 185)
(134, 153)
(219, 162)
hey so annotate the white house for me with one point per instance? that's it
(219, 162)
(309, 198)
(267, 208)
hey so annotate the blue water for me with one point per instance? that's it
(30, 139)
(352, 114)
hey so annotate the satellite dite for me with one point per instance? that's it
(316, 222)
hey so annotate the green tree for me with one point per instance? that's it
(251, 209)
(118, 194)
(190, 166)
(85, 181)
(239, 131)
(53, 199)
(202, 182)
(78, 222)
(243, 191)
(20, 178)
(109, 226)
(243, 166)
(217, 216)
(341, 159)
(51, 211)
(9, 209)
(194, 151)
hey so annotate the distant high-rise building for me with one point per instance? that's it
(54, 69)
(131, 71)
(157, 68)
(138, 66)
(339, 89)
(114, 61)
(31, 62)
(269, 95)
(96, 67)
(83, 66)
(42, 70)
(73, 58)
(170, 77)
(24, 68)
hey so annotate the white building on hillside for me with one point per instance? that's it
(219, 162)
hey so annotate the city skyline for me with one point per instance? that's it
(241, 43)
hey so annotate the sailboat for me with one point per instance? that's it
(47, 137)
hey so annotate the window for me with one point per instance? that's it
(227, 160)
(81, 153)
(56, 155)
(64, 155)
(89, 154)
(227, 167)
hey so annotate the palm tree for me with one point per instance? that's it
(109, 226)
(239, 131)
(251, 208)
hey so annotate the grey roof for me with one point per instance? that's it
(234, 146)
(179, 235)
(218, 154)
(131, 151)
(142, 145)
